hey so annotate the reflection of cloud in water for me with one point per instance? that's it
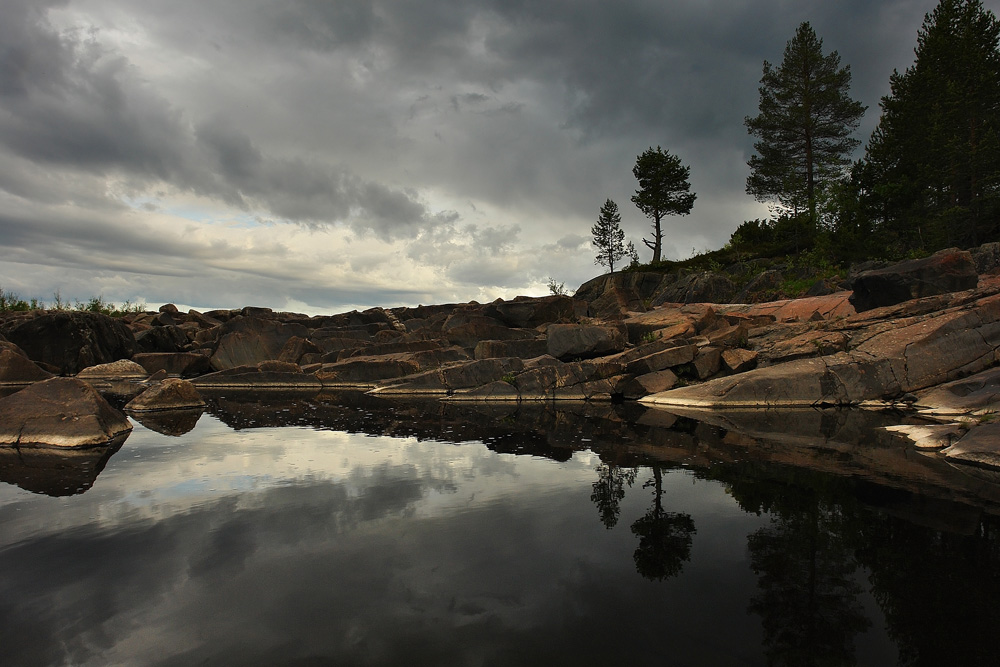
(341, 569)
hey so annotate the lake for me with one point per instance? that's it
(346, 530)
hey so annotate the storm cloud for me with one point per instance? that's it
(359, 153)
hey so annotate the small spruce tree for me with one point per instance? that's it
(609, 239)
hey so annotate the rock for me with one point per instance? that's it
(271, 374)
(295, 347)
(249, 340)
(615, 303)
(739, 361)
(183, 364)
(16, 368)
(642, 284)
(809, 344)
(579, 341)
(61, 412)
(986, 257)
(929, 436)
(456, 377)
(649, 383)
(121, 369)
(979, 447)
(527, 313)
(945, 271)
(764, 287)
(704, 287)
(174, 423)
(367, 372)
(170, 394)
(168, 308)
(469, 332)
(170, 338)
(978, 392)
(523, 349)
(707, 363)
(72, 340)
(734, 335)
(670, 357)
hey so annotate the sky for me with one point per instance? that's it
(320, 156)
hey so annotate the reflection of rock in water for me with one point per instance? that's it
(55, 471)
(169, 422)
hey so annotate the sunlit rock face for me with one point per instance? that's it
(60, 412)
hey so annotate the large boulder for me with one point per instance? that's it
(170, 394)
(183, 364)
(704, 287)
(527, 312)
(247, 341)
(945, 271)
(16, 368)
(61, 412)
(169, 338)
(71, 340)
(583, 341)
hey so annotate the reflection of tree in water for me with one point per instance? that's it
(664, 537)
(938, 590)
(807, 593)
(609, 490)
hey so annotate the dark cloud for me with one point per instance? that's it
(403, 123)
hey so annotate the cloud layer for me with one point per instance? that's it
(322, 156)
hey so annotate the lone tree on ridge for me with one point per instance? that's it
(664, 189)
(609, 239)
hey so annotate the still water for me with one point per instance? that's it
(340, 530)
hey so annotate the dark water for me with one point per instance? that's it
(338, 530)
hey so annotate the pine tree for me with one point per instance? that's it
(609, 239)
(664, 189)
(804, 126)
(931, 174)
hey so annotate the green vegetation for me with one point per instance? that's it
(929, 178)
(609, 239)
(664, 189)
(11, 302)
(804, 127)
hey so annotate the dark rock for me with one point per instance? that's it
(251, 340)
(183, 364)
(579, 341)
(764, 287)
(264, 375)
(168, 308)
(670, 357)
(739, 361)
(72, 340)
(704, 287)
(523, 349)
(61, 412)
(174, 423)
(532, 312)
(456, 377)
(295, 347)
(986, 257)
(633, 388)
(170, 394)
(170, 338)
(16, 368)
(945, 271)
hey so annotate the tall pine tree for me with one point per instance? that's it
(804, 126)
(931, 174)
(664, 189)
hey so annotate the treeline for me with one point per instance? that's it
(930, 175)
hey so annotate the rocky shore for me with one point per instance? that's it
(921, 336)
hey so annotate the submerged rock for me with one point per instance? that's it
(62, 412)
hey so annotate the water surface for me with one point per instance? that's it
(338, 530)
